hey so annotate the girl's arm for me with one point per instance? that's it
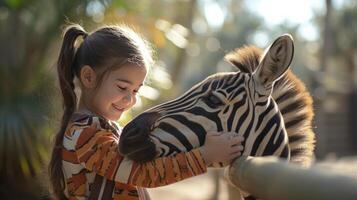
(97, 150)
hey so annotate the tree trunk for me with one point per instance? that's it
(327, 45)
(318, 84)
(184, 19)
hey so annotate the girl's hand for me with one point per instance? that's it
(221, 147)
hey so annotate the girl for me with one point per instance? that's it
(109, 67)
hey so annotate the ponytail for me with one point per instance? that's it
(66, 71)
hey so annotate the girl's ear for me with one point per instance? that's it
(275, 61)
(88, 77)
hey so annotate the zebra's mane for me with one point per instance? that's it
(294, 102)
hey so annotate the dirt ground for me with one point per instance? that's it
(196, 188)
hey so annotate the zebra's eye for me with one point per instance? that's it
(213, 101)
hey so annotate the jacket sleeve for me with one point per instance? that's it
(97, 150)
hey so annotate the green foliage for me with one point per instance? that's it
(17, 4)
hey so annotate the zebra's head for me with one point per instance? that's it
(238, 102)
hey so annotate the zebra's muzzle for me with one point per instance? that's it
(135, 141)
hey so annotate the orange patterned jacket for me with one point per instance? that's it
(94, 168)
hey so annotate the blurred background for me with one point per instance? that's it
(190, 38)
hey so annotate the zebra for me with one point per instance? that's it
(263, 101)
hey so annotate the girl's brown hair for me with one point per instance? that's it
(104, 50)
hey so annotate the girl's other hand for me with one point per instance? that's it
(221, 147)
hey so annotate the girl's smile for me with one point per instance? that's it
(118, 108)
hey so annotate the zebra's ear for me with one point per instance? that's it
(275, 60)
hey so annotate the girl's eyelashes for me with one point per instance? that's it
(125, 88)
(121, 88)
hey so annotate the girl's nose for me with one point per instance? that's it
(128, 98)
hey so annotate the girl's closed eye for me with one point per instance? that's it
(121, 87)
(124, 88)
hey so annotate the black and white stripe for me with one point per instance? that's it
(254, 116)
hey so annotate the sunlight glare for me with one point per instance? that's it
(214, 14)
(276, 12)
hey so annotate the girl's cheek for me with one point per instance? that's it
(134, 101)
(118, 95)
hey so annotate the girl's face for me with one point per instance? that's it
(118, 90)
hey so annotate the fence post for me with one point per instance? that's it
(272, 179)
